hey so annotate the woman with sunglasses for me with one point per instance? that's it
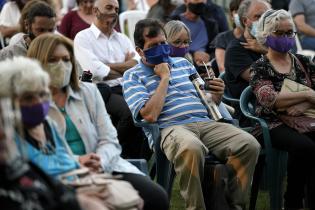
(276, 31)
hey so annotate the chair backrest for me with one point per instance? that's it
(226, 96)
(128, 20)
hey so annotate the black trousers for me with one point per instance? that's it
(301, 164)
(131, 138)
(154, 196)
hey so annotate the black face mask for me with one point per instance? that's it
(197, 9)
(30, 34)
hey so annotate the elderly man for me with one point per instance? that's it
(159, 90)
(108, 54)
(242, 52)
(40, 19)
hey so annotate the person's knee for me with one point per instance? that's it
(159, 200)
(249, 146)
(192, 155)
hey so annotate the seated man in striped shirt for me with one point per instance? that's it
(158, 89)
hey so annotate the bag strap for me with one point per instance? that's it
(308, 80)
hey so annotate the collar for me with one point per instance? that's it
(73, 94)
(97, 32)
(150, 69)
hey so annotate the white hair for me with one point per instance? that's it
(20, 75)
(269, 22)
(173, 27)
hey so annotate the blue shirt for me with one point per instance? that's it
(199, 36)
(59, 162)
(182, 104)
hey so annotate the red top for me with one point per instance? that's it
(71, 24)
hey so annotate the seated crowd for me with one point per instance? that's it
(70, 143)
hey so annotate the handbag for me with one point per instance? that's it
(306, 122)
(114, 193)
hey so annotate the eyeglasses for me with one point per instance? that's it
(180, 42)
(289, 34)
(30, 97)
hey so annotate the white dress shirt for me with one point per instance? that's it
(94, 50)
(10, 14)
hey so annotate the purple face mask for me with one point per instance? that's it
(178, 51)
(35, 114)
(280, 44)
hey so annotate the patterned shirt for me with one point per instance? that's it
(182, 104)
(267, 82)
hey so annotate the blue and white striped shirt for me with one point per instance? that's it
(182, 103)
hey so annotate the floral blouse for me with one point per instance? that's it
(266, 83)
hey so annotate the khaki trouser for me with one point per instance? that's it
(186, 146)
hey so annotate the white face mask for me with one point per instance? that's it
(253, 29)
(237, 20)
(60, 73)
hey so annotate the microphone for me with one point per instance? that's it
(211, 107)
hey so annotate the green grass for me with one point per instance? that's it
(177, 203)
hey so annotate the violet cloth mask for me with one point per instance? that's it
(158, 54)
(35, 114)
(280, 44)
(197, 9)
(178, 51)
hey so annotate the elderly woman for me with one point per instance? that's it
(82, 118)
(77, 20)
(26, 83)
(276, 31)
(178, 37)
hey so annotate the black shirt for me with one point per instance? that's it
(223, 39)
(237, 60)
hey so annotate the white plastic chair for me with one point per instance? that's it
(309, 53)
(128, 20)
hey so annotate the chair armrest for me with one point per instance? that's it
(141, 164)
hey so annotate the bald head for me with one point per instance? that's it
(106, 13)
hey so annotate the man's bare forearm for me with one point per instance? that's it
(9, 31)
(122, 67)
(152, 109)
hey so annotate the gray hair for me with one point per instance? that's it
(244, 6)
(173, 27)
(269, 22)
(20, 75)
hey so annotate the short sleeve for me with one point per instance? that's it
(296, 7)
(135, 93)
(262, 85)
(237, 59)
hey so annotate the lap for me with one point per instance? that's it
(288, 139)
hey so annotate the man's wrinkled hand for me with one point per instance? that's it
(201, 57)
(253, 45)
(162, 70)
